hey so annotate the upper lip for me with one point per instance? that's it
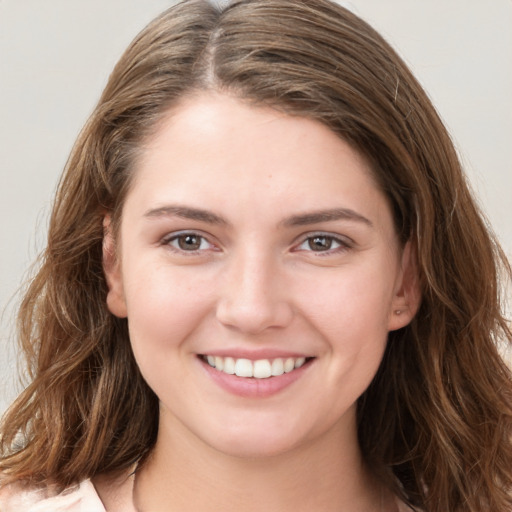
(254, 355)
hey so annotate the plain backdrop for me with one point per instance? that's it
(56, 55)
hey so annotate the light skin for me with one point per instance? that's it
(248, 231)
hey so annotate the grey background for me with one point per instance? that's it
(55, 57)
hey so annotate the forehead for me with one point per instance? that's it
(221, 152)
(209, 124)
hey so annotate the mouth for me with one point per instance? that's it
(258, 369)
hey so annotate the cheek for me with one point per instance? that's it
(164, 313)
(350, 301)
(350, 311)
(164, 308)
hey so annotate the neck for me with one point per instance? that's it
(184, 474)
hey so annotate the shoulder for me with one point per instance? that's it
(116, 490)
(402, 507)
(79, 498)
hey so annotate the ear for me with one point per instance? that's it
(407, 298)
(112, 268)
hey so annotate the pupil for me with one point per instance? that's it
(320, 243)
(189, 242)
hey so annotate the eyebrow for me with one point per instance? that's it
(186, 212)
(315, 217)
(325, 216)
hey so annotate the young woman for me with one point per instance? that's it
(266, 286)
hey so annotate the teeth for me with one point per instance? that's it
(243, 368)
(229, 366)
(219, 363)
(277, 367)
(299, 362)
(260, 369)
(289, 365)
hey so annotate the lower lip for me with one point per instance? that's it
(250, 387)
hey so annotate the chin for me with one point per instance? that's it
(255, 449)
(257, 441)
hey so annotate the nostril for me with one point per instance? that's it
(254, 318)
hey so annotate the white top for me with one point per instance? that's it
(80, 498)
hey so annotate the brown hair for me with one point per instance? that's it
(436, 422)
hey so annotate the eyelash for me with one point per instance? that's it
(183, 235)
(343, 244)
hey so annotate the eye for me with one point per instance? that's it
(188, 242)
(323, 243)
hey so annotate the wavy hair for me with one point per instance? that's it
(436, 423)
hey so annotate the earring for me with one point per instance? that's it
(398, 312)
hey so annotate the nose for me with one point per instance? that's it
(253, 297)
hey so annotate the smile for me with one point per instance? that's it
(259, 369)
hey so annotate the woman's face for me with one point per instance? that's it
(255, 242)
